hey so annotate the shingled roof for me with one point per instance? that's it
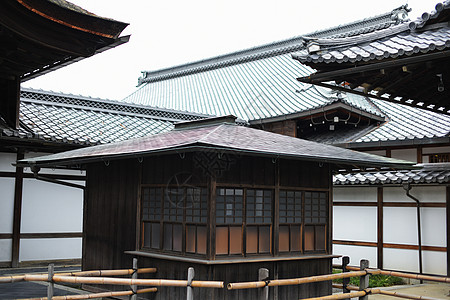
(219, 135)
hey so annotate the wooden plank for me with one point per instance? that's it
(17, 218)
(380, 227)
(390, 245)
(51, 235)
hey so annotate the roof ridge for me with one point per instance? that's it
(97, 104)
(290, 45)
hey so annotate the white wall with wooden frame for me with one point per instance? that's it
(390, 240)
(48, 215)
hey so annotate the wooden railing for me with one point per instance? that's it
(263, 283)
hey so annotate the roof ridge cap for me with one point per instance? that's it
(262, 51)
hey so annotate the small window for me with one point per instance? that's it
(316, 218)
(290, 235)
(229, 206)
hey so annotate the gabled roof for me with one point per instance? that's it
(406, 63)
(77, 120)
(430, 173)
(256, 84)
(221, 137)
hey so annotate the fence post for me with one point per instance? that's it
(190, 277)
(345, 281)
(51, 272)
(263, 275)
(364, 280)
(134, 276)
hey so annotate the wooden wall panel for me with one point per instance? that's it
(110, 219)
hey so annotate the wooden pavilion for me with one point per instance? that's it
(222, 198)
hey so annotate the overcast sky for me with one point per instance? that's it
(165, 33)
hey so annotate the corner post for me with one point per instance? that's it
(263, 275)
(345, 281)
(364, 280)
(190, 277)
(134, 276)
(51, 272)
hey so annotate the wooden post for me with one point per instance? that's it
(345, 281)
(134, 276)
(263, 275)
(17, 216)
(364, 280)
(51, 272)
(380, 238)
(190, 277)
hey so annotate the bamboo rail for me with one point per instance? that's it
(294, 281)
(404, 275)
(125, 281)
(340, 296)
(97, 295)
(383, 292)
(94, 273)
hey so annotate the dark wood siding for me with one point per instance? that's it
(110, 214)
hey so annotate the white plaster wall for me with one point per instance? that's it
(356, 253)
(432, 150)
(6, 204)
(49, 207)
(434, 228)
(400, 225)
(5, 250)
(423, 193)
(434, 262)
(6, 159)
(355, 223)
(48, 249)
(405, 154)
(355, 194)
(401, 259)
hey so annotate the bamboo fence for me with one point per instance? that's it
(125, 281)
(97, 295)
(294, 281)
(374, 291)
(404, 275)
(94, 273)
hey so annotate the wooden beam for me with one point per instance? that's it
(10, 102)
(380, 227)
(17, 217)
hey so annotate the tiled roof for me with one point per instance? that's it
(407, 123)
(60, 118)
(222, 137)
(433, 173)
(254, 84)
(404, 39)
(254, 91)
(372, 24)
(389, 43)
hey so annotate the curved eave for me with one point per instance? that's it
(79, 161)
(36, 44)
(70, 15)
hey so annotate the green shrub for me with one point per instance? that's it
(374, 280)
